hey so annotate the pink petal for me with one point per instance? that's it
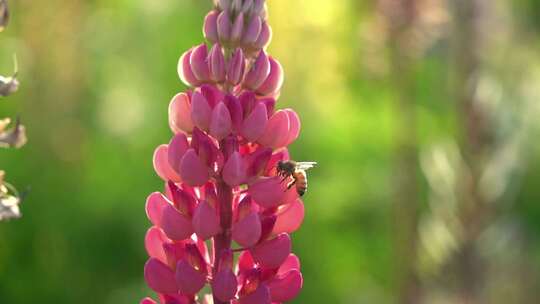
(148, 301)
(200, 111)
(210, 26)
(294, 127)
(277, 131)
(224, 26)
(153, 242)
(180, 114)
(252, 31)
(184, 70)
(193, 171)
(235, 109)
(255, 124)
(237, 65)
(175, 225)
(221, 123)
(174, 252)
(258, 72)
(159, 277)
(264, 37)
(199, 63)
(234, 171)
(290, 217)
(217, 64)
(245, 262)
(267, 191)
(177, 147)
(292, 262)
(247, 231)
(259, 296)
(237, 28)
(189, 280)
(286, 287)
(258, 161)
(225, 285)
(274, 252)
(273, 83)
(161, 164)
(205, 221)
(155, 203)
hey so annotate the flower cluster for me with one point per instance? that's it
(223, 196)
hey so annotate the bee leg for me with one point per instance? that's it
(289, 186)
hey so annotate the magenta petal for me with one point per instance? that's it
(184, 70)
(221, 124)
(147, 301)
(290, 217)
(245, 261)
(224, 26)
(252, 31)
(210, 26)
(267, 191)
(153, 243)
(217, 64)
(177, 148)
(161, 164)
(235, 109)
(274, 252)
(255, 124)
(199, 62)
(294, 126)
(237, 28)
(193, 171)
(180, 114)
(277, 130)
(273, 83)
(236, 67)
(200, 111)
(225, 285)
(205, 221)
(264, 37)
(159, 277)
(175, 225)
(285, 287)
(155, 203)
(189, 280)
(292, 262)
(259, 296)
(234, 171)
(247, 231)
(258, 72)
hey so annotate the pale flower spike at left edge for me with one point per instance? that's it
(14, 137)
(228, 176)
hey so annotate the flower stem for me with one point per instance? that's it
(222, 241)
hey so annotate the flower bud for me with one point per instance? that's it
(235, 109)
(264, 37)
(274, 81)
(199, 63)
(200, 111)
(217, 64)
(193, 171)
(274, 252)
(161, 164)
(155, 203)
(210, 26)
(236, 67)
(220, 124)
(254, 125)
(180, 114)
(205, 221)
(258, 73)
(177, 147)
(159, 277)
(153, 243)
(189, 279)
(285, 287)
(247, 231)
(267, 191)
(224, 285)
(276, 132)
(175, 225)
(184, 70)
(237, 28)
(224, 26)
(252, 31)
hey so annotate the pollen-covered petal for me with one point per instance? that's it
(180, 114)
(159, 277)
(193, 171)
(274, 252)
(205, 221)
(267, 191)
(247, 231)
(285, 287)
(201, 112)
(176, 150)
(189, 279)
(175, 225)
(221, 123)
(161, 164)
(234, 171)
(155, 203)
(225, 285)
(276, 132)
(153, 243)
(290, 217)
(254, 125)
(260, 296)
(184, 70)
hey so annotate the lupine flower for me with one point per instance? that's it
(219, 170)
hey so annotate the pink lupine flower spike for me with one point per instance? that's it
(219, 171)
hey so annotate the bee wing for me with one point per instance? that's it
(305, 165)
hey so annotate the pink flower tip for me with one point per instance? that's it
(192, 169)
(206, 221)
(225, 285)
(189, 279)
(272, 253)
(159, 277)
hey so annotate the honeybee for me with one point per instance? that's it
(296, 170)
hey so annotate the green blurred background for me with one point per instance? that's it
(381, 217)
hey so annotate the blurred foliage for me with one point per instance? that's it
(97, 77)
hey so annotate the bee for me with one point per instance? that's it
(296, 170)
